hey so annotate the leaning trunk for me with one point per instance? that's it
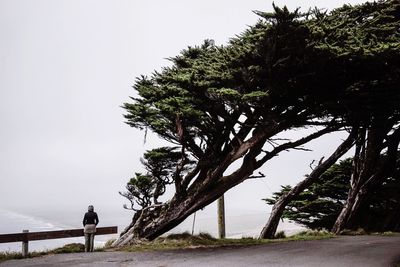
(345, 212)
(157, 220)
(381, 166)
(270, 228)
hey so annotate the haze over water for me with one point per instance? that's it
(240, 224)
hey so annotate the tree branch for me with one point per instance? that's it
(290, 145)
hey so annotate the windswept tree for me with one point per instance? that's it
(226, 104)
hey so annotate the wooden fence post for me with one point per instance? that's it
(25, 249)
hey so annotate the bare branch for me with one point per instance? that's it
(301, 149)
(319, 163)
(311, 164)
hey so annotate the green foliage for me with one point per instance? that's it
(361, 44)
(145, 189)
(160, 162)
(140, 190)
(289, 63)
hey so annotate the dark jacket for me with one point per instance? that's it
(90, 218)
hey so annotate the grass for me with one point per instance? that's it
(68, 248)
(9, 255)
(361, 231)
(182, 241)
(186, 240)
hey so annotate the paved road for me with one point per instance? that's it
(342, 251)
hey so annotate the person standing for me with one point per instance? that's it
(90, 220)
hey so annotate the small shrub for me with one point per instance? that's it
(207, 236)
(313, 233)
(184, 235)
(388, 233)
(280, 235)
(310, 235)
(359, 231)
(247, 238)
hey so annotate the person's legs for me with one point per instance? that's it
(87, 242)
(91, 242)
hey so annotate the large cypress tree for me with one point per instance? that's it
(226, 104)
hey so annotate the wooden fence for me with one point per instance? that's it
(27, 236)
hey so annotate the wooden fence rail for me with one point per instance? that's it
(27, 236)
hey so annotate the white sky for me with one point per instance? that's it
(65, 69)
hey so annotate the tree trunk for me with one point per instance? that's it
(367, 179)
(135, 217)
(269, 229)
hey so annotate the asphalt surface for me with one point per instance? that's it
(351, 251)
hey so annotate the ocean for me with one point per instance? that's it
(238, 224)
(15, 222)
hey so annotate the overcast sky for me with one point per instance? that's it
(67, 66)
